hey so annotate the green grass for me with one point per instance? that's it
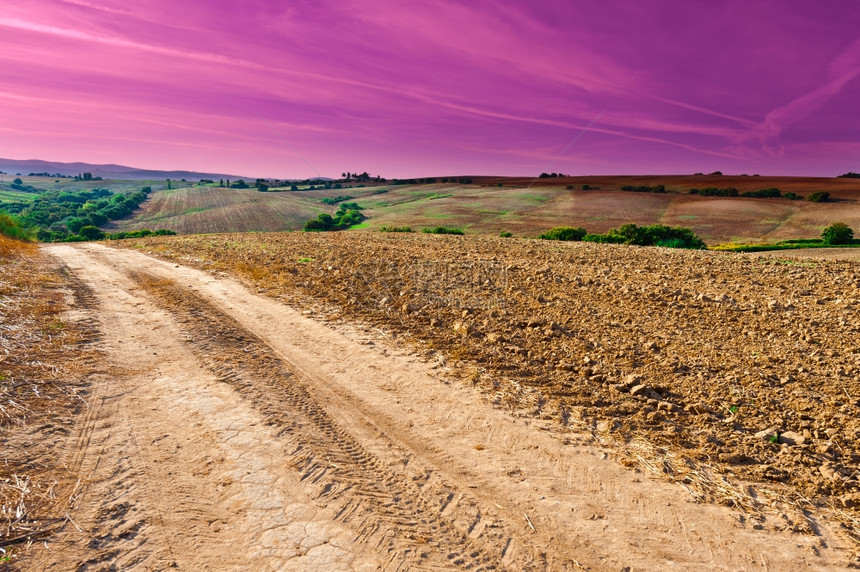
(17, 196)
(782, 245)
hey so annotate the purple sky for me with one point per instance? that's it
(434, 87)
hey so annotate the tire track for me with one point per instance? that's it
(410, 516)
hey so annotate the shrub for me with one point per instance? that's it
(567, 233)
(442, 230)
(76, 224)
(715, 192)
(838, 233)
(653, 235)
(772, 193)
(335, 200)
(505, 234)
(603, 238)
(793, 196)
(90, 232)
(396, 229)
(819, 197)
(644, 189)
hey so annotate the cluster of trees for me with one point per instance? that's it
(652, 235)
(715, 192)
(19, 185)
(567, 233)
(139, 234)
(644, 189)
(46, 174)
(59, 215)
(87, 177)
(771, 193)
(347, 215)
(426, 181)
(360, 178)
(442, 230)
(849, 175)
(551, 175)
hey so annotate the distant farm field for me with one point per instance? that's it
(525, 207)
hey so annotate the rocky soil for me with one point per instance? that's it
(715, 369)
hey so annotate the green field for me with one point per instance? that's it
(525, 207)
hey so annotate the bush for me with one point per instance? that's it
(653, 235)
(819, 197)
(396, 229)
(604, 238)
(772, 193)
(567, 233)
(345, 217)
(838, 233)
(335, 200)
(76, 224)
(644, 189)
(505, 234)
(793, 196)
(90, 232)
(140, 234)
(715, 192)
(442, 230)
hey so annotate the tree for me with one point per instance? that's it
(91, 233)
(75, 224)
(18, 182)
(838, 233)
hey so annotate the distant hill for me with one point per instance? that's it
(526, 207)
(14, 166)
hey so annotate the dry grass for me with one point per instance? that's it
(10, 247)
(42, 366)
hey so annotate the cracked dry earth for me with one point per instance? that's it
(227, 431)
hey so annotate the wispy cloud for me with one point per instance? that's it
(433, 82)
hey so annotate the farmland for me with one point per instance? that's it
(522, 206)
(422, 401)
(368, 399)
(701, 355)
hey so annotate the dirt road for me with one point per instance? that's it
(230, 432)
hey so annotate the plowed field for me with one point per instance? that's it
(749, 366)
(367, 401)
